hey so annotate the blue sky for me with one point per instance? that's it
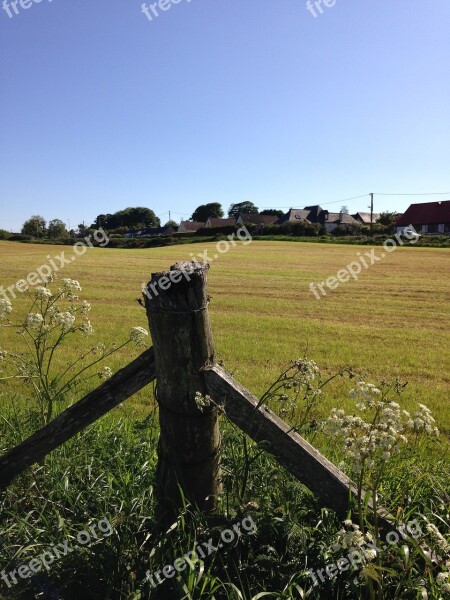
(221, 101)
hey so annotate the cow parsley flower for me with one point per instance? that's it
(437, 536)
(48, 278)
(308, 369)
(138, 335)
(422, 421)
(33, 320)
(201, 401)
(84, 308)
(42, 293)
(71, 284)
(105, 373)
(86, 328)
(5, 307)
(365, 394)
(64, 319)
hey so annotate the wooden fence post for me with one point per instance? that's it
(188, 454)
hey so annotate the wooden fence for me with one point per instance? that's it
(182, 362)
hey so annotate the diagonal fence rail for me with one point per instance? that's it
(77, 417)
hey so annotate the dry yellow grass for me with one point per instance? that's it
(392, 322)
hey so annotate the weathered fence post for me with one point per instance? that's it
(188, 454)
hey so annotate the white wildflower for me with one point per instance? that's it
(307, 368)
(5, 307)
(42, 293)
(138, 335)
(65, 319)
(87, 328)
(3, 354)
(105, 373)
(348, 522)
(85, 308)
(201, 401)
(48, 278)
(365, 394)
(71, 284)
(33, 320)
(437, 537)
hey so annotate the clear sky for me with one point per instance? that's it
(221, 101)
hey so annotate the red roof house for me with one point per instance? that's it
(427, 217)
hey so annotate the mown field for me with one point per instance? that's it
(392, 322)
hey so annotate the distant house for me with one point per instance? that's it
(186, 226)
(256, 219)
(309, 214)
(427, 217)
(216, 222)
(340, 219)
(295, 215)
(363, 218)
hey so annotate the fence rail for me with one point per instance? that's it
(77, 417)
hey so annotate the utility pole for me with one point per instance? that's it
(371, 213)
(169, 216)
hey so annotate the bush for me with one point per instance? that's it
(208, 231)
(4, 235)
(21, 237)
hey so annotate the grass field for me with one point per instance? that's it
(392, 322)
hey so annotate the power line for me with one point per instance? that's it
(424, 194)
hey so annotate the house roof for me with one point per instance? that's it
(364, 217)
(314, 212)
(295, 215)
(192, 225)
(426, 213)
(340, 219)
(216, 222)
(258, 219)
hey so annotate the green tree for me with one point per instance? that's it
(204, 211)
(35, 226)
(82, 230)
(387, 218)
(276, 212)
(171, 224)
(56, 229)
(130, 218)
(241, 207)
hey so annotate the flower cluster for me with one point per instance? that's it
(33, 320)
(437, 537)
(423, 422)
(367, 442)
(307, 369)
(5, 307)
(443, 579)
(365, 394)
(71, 284)
(138, 335)
(42, 293)
(64, 319)
(105, 373)
(202, 402)
(352, 539)
(86, 328)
